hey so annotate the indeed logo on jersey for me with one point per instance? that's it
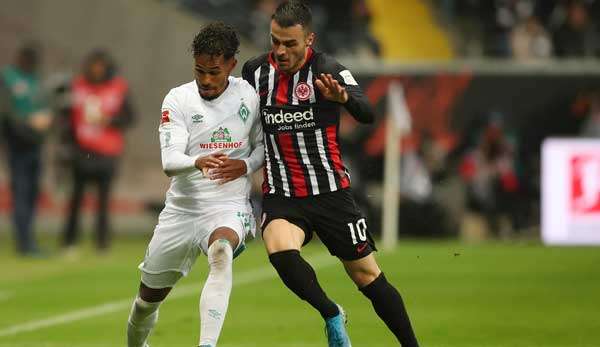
(289, 120)
(221, 139)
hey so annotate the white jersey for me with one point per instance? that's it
(193, 127)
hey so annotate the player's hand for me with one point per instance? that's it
(40, 121)
(331, 89)
(230, 170)
(209, 162)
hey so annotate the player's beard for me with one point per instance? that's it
(211, 96)
(292, 62)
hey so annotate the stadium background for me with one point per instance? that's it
(464, 69)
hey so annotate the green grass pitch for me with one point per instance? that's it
(492, 294)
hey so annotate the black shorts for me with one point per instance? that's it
(334, 216)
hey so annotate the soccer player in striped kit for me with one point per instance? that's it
(306, 185)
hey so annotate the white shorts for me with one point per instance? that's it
(179, 238)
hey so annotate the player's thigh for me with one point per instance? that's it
(281, 235)
(362, 271)
(341, 226)
(285, 223)
(171, 252)
(231, 221)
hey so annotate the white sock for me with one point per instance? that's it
(215, 294)
(142, 318)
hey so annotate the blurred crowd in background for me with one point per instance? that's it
(524, 29)
(87, 115)
(471, 161)
(520, 29)
(343, 25)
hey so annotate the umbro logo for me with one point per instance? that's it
(197, 118)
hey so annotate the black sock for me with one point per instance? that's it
(389, 306)
(301, 279)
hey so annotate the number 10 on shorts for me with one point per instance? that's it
(359, 228)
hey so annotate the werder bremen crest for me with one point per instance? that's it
(243, 112)
(221, 135)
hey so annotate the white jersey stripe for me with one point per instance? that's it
(311, 170)
(257, 78)
(284, 180)
(309, 81)
(271, 84)
(294, 97)
(323, 155)
(269, 169)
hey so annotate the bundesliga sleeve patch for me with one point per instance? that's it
(164, 118)
(348, 78)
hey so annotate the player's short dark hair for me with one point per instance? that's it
(290, 13)
(216, 39)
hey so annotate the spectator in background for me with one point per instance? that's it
(506, 15)
(99, 112)
(346, 28)
(26, 119)
(591, 125)
(361, 31)
(421, 213)
(529, 40)
(261, 14)
(490, 174)
(575, 37)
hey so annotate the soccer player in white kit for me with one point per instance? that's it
(212, 122)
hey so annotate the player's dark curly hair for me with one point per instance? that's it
(290, 13)
(215, 39)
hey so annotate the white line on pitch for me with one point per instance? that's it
(243, 278)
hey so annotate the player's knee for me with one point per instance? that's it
(220, 254)
(363, 277)
(152, 295)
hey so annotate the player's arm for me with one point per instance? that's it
(337, 84)
(257, 156)
(174, 138)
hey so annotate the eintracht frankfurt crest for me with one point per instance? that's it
(303, 91)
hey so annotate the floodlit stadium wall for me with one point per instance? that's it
(450, 103)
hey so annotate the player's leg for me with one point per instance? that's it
(214, 299)
(386, 300)
(169, 257)
(283, 241)
(343, 229)
(144, 311)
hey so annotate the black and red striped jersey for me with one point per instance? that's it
(302, 151)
